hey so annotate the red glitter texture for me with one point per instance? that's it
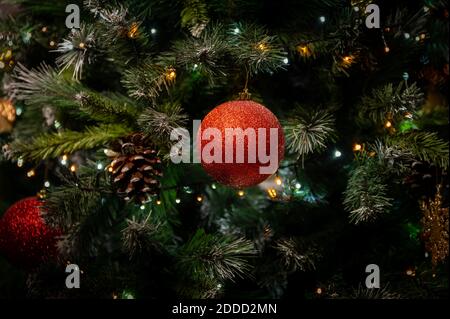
(24, 237)
(241, 114)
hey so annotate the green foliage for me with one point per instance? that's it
(52, 145)
(149, 79)
(204, 54)
(366, 196)
(194, 16)
(307, 133)
(220, 257)
(425, 146)
(256, 50)
(389, 103)
(159, 123)
(110, 109)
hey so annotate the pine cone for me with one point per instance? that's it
(135, 168)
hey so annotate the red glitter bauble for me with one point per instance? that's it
(24, 237)
(240, 114)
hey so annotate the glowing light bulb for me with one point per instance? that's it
(47, 184)
(31, 173)
(337, 154)
(278, 181)
(99, 166)
(322, 19)
(388, 124)
(177, 200)
(241, 193)
(73, 168)
(153, 31)
(199, 199)
(357, 147)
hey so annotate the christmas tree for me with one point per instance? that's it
(96, 95)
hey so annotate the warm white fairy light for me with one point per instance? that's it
(177, 200)
(47, 184)
(153, 31)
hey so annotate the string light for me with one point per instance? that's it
(286, 61)
(272, 193)
(357, 147)
(142, 207)
(322, 19)
(110, 169)
(73, 168)
(387, 49)
(47, 184)
(423, 36)
(213, 186)
(99, 166)
(52, 43)
(44, 29)
(407, 35)
(177, 200)
(411, 272)
(262, 46)
(199, 198)
(158, 202)
(133, 32)
(20, 162)
(19, 111)
(153, 31)
(337, 153)
(31, 173)
(319, 291)
(347, 60)
(388, 124)
(82, 45)
(278, 181)
(64, 160)
(171, 74)
(304, 50)
(241, 193)
(298, 185)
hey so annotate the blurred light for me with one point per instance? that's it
(19, 111)
(298, 185)
(356, 8)
(158, 202)
(319, 291)
(387, 49)
(73, 168)
(47, 184)
(278, 181)
(388, 124)
(213, 186)
(407, 35)
(152, 30)
(236, 30)
(241, 193)
(20, 162)
(322, 19)
(31, 173)
(177, 200)
(357, 147)
(272, 193)
(99, 166)
(199, 198)
(337, 153)
(286, 61)
(110, 169)
(142, 207)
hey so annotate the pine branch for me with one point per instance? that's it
(426, 146)
(139, 237)
(254, 49)
(149, 79)
(295, 256)
(366, 194)
(221, 257)
(77, 49)
(307, 133)
(203, 54)
(194, 16)
(110, 109)
(387, 103)
(43, 85)
(160, 122)
(57, 144)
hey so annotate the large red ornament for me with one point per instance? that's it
(241, 114)
(24, 237)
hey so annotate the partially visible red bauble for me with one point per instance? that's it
(240, 114)
(25, 239)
